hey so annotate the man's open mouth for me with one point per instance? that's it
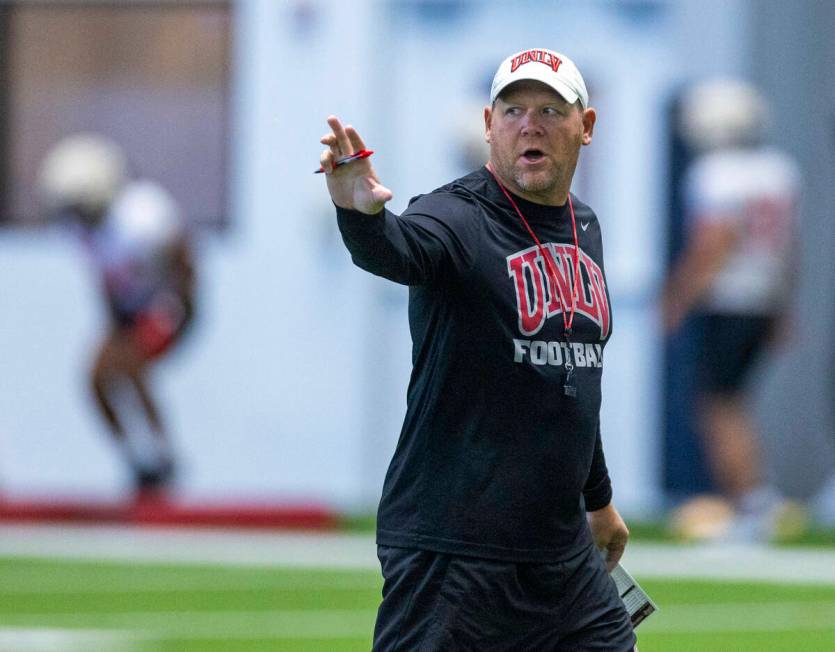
(533, 155)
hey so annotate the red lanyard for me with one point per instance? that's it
(549, 264)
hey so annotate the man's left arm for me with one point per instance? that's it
(607, 527)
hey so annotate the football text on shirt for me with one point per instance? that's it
(536, 298)
(556, 354)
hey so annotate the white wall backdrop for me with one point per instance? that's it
(293, 384)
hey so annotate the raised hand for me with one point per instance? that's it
(354, 185)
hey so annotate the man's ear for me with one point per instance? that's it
(488, 122)
(589, 118)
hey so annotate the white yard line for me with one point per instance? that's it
(51, 639)
(357, 551)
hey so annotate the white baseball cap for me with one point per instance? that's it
(551, 68)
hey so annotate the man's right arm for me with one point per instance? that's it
(413, 249)
(416, 248)
(377, 246)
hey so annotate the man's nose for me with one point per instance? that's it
(531, 124)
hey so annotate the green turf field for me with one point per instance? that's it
(213, 608)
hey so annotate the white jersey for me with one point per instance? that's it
(131, 248)
(756, 192)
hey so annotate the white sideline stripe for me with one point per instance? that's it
(323, 624)
(219, 625)
(198, 546)
(43, 639)
(357, 551)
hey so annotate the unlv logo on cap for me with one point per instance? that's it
(537, 299)
(541, 56)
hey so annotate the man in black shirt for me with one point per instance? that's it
(497, 498)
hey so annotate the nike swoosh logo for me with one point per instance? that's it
(585, 225)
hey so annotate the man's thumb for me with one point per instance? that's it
(380, 193)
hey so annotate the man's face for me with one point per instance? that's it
(535, 138)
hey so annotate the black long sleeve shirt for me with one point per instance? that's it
(494, 460)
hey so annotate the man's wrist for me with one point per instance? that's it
(358, 221)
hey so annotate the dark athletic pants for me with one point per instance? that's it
(730, 346)
(433, 601)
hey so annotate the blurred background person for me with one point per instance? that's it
(735, 276)
(138, 244)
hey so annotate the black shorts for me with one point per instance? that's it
(730, 347)
(433, 601)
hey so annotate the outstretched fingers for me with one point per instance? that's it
(343, 143)
(326, 160)
(329, 156)
(354, 139)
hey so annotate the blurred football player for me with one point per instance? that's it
(735, 274)
(138, 244)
